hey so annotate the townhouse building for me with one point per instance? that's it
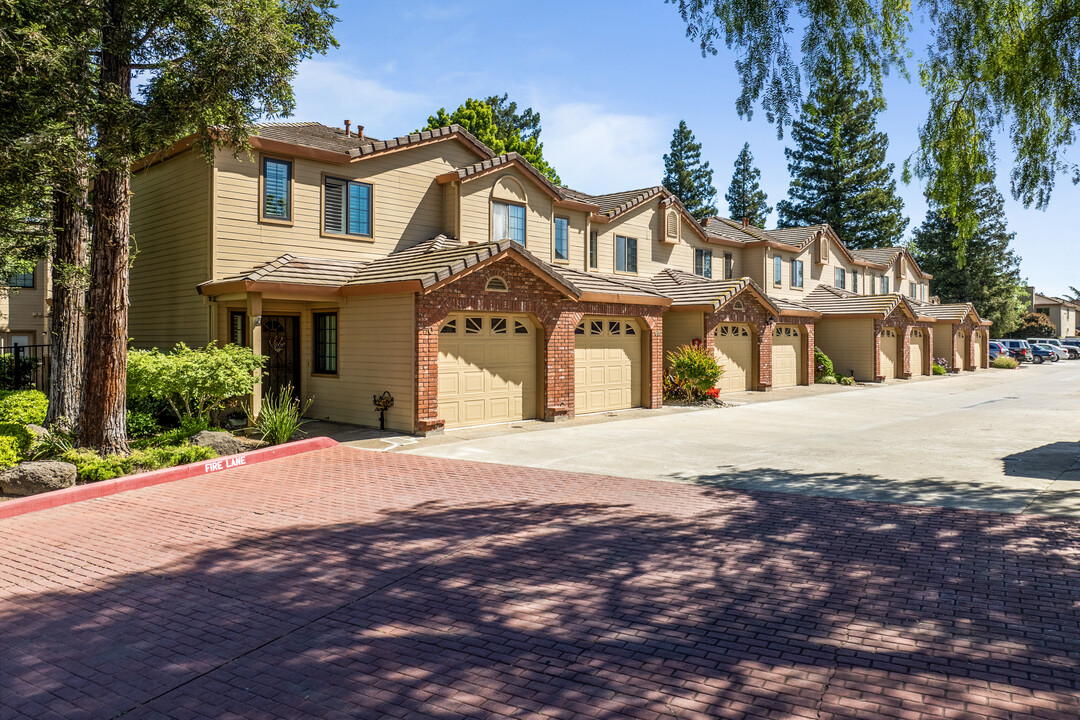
(472, 290)
(1060, 311)
(24, 308)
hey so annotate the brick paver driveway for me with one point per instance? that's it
(345, 584)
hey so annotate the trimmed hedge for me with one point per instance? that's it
(23, 437)
(9, 451)
(26, 407)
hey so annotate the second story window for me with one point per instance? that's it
(508, 222)
(729, 266)
(911, 290)
(703, 262)
(347, 207)
(796, 273)
(22, 280)
(625, 254)
(884, 284)
(277, 189)
(562, 239)
(594, 249)
(841, 278)
(873, 284)
(855, 281)
(777, 270)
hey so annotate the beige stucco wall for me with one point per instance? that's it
(849, 343)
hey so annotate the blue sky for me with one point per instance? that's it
(611, 80)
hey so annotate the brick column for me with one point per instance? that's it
(928, 331)
(905, 360)
(559, 365)
(808, 338)
(764, 353)
(427, 370)
(878, 326)
(654, 398)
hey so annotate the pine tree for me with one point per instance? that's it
(988, 273)
(687, 176)
(838, 171)
(745, 197)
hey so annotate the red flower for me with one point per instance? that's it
(712, 393)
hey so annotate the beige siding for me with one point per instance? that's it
(785, 289)
(170, 228)
(680, 328)
(849, 343)
(407, 207)
(23, 311)
(943, 342)
(753, 267)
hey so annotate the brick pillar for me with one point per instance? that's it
(808, 339)
(928, 331)
(764, 354)
(878, 326)
(559, 365)
(905, 360)
(654, 396)
(427, 374)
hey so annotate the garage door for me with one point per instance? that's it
(889, 353)
(607, 365)
(735, 351)
(787, 355)
(977, 338)
(960, 350)
(918, 352)
(487, 369)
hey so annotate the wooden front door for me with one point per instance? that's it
(281, 346)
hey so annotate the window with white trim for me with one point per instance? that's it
(625, 254)
(562, 238)
(777, 269)
(729, 266)
(884, 284)
(840, 277)
(855, 281)
(703, 262)
(594, 249)
(796, 274)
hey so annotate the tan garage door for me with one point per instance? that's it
(487, 369)
(607, 365)
(960, 351)
(889, 353)
(978, 340)
(735, 351)
(918, 352)
(787, 355)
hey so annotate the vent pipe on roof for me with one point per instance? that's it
(746, 222)
(347, 124)
(360, 131)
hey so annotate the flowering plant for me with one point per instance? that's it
(712, 393)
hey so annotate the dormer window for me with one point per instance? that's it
(508, 222)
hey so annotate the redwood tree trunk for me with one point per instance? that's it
(68, 315)
(102, 420)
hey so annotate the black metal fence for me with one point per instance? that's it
(24, 367)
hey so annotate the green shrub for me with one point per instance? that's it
(193, 382)
(1005, 363)
(826, 380)
(9, 451)
(59, 441)
(844, 379)
(23, 437)
(92, 467)
(141, 425)
(938, 369)
(694, 368)
(26, 407)
(823, 367)
(279, 416)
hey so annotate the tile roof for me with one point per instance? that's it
(300, 271)
(951, 311)
(324, 137)
(828, 300)
(726, 229)
(507, 159)
(687, 289)
(437, 262)
(797, 236)
(606, 284)
(613, 204)
(1052, 300)
(878, 256)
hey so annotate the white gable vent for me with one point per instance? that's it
(496, 284)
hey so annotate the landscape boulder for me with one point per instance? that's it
(38, 432)
(31, 478)
(221, 442)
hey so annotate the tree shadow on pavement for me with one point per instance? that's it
(635, 600)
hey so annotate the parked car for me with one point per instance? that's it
(1073, 352)
(1059, 352)
(1018, 349)
(1041, 353)
(997, 350)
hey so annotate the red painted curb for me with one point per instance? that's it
(56, 498)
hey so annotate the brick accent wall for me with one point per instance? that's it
(928, 333)
(555, 314)
(761, 321)
(899, 320)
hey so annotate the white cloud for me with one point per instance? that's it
(329, 92)
(596, 151)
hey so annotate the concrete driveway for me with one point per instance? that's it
(993, 440)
